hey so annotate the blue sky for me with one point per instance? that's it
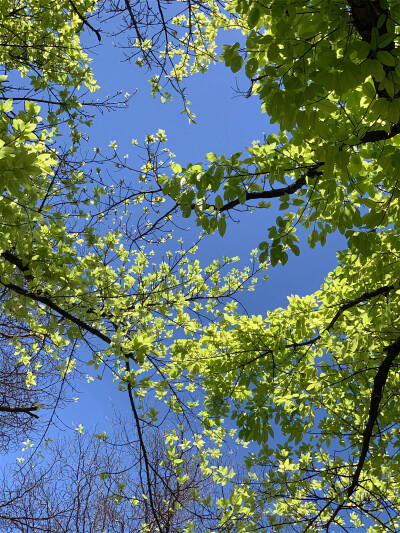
(226, 123)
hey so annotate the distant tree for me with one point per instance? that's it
(32, 385)
(95, 484)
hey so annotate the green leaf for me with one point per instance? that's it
(253, 17)
(176, 168)
(385, 39)
(237, 63)
(251, 67)
(386, 58)
(222, 226)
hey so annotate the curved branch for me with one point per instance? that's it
(380, 380)
(312, 172)
(365, 297)
(274, 193)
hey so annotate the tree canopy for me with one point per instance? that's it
(94, 271)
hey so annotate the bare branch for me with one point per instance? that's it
(27, 410)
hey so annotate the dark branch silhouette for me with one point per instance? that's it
(27, 410)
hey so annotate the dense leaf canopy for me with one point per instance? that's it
(91, 272)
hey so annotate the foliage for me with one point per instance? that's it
(172, 39)
(311, 390)
(79, 282)
(84, 484)
(321, 374)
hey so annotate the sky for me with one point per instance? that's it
(226, 123)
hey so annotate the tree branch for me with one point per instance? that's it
(46, 298)
(85, 20)
(275, 193)
(380, 380)
(380, 135)
(65, 314)
(366, 296)
(133, 20)
(363, 298)
(27, 410)
(16, 261)
(312, 172)
(143, 448)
